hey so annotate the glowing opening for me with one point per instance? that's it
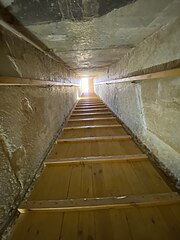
(85, 85)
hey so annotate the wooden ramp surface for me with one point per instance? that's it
(96, 185)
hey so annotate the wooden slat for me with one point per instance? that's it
(92, 110)
(92, 139)
(94, 148)
(93, 103)
(98, 159)
(101, 203)
(91, 119)
(89, 102)
(92, 122)
(92, 127)
(94, 132)
(94, 113)
(157, 75)
(91, 107)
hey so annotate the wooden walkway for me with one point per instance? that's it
(97, 185)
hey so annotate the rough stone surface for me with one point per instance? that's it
(20, 59)
(150, 108)
(30, 116)
(54, 10)
(101, 31)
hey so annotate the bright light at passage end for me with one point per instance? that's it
(84, 85)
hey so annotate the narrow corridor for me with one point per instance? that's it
(98, 184)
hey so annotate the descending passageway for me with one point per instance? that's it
(98, 184)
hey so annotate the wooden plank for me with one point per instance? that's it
(86, 226)
(172, 221)
(15, 81)
(37, 225)
(99, 115)
(50, 178)
(120, 225)
(101, 203)
(91, 119)
(74, 190)
(91, 110)
(157, 75)
(93, 132)
(69, 227)
(91, 104)
(151, 178)
(96, 148)
(92, 122)
(85, 106)
(98, 159)
(103, 225)
(86, 184)
(92, 139)
(92, 127)
(89, 114)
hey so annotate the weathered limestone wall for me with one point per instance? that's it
(30, 116)
(150, 108)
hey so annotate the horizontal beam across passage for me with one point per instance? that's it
(91, 107)
(98, 159)
(92, 110)
(92, 127)
(132, 201)
(157, 75)
(31, 82)
(95, 139)
(91, 119)
(94, 113)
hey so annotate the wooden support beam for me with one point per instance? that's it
(94, 113)
(157, 75)
(91, 119)
(94, 139)
(98, 159)
(82, 204)
(91, 110)
(92, 127)
(14, 81)
(92, 107)
(95, 103)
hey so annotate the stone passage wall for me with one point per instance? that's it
(30, 116)
(151, 109)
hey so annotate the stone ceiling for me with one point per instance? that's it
(92, 34)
